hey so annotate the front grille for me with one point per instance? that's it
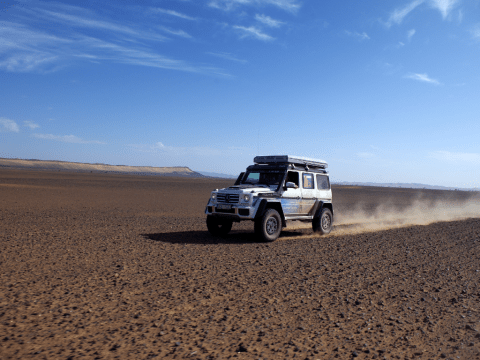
(226, 211)
(228, 198)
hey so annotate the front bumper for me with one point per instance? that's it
(236, 211)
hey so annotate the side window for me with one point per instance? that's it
(323, 183)
(308, 181)
(292, 176)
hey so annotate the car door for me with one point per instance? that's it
(291, 197)
(323, 187)
(308, 192)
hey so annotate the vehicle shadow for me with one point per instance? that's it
(204, 237)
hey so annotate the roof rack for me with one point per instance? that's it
(290, 159)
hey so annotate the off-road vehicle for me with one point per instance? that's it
(276, 189)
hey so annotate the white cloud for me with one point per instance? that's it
(172, 13)
(67, 139)
(456, 157)
(362, 36)
(29, 49)
(267, 20)
(37, 45)
(227, 56)
(179, 151)
(253, 32)
(180, 33)
(423, 78)
(287, 5)
(8, 125)
(365, 155)
(476, 31)
(31, 125)
(410, 33)
(444, 6)
(399, 14)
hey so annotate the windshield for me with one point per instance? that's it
(269, 178)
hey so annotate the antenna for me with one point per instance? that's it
(258, 142)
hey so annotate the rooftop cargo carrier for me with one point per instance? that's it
(297, 160)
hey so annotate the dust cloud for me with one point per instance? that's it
(388, 215)
(366, 217)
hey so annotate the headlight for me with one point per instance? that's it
(246, 198)
(214, 196)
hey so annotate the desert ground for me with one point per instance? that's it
(99, 266)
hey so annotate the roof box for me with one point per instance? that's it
(290, 159)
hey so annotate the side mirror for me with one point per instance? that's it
(290, 185)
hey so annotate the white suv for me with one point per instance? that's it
(275, 189)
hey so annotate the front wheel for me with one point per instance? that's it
(269, 226)
(218, 227)
(323, 224)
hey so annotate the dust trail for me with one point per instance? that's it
(419, 212)
(365, 217)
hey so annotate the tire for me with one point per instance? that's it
(218, 227)
(269, 226)
(323, 224)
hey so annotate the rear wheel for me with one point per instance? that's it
(218, 227)
(323, 224)
(269, 226)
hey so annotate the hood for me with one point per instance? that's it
(248, 189)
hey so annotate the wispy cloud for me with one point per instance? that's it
(180, 33)
(267, 20)
(365, 155)
(444, 6)
(456, 157)
(476, 32)
(410, 34)
(31, 125)
(287, 5)
(67, 139)
(423, 78)
(397, 16)
(179, 151)
(172, 13)
(8, 125)
(254, 32)
(109, 26)
(227, 56)
(29, 49)
(362, 36)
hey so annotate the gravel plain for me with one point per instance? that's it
(99, 266)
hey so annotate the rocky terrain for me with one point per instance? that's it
(100, 266)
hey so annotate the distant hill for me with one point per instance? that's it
(218, 175)
(402, 185)
(34, 164)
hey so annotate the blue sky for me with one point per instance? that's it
(384, 91)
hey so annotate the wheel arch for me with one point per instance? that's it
(265, 205)
(321, 205)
